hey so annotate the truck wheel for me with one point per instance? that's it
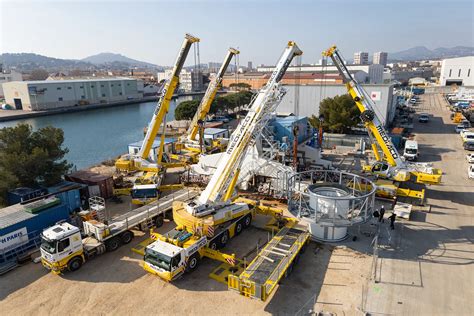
(159, 221)
(74, 264)
(238, 227)
(193, 263)
(247, 220)
(126, 237)
(223, 239)
(112, 244)
(214, 244)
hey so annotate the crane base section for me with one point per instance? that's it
(274, 261)
(222, 272)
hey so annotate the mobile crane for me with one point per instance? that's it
(189, 148)
(144, 193)
(209, 221)
(393, 167)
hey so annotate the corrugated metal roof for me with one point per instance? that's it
(213, 131)
(74, 81)
(13, 214)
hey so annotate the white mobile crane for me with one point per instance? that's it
(208, 222)
(145, 193)
(189, 147)
(394, 167)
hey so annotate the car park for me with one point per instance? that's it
(423, 118)
(470, 158)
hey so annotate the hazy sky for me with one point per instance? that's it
(153, 30)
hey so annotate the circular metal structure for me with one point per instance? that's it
(329, 201)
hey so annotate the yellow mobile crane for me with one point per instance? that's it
(145, 193)
(209, 221)
(189, 147)
(393, 167)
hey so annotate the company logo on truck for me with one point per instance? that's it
(387, 142)
(15, 238)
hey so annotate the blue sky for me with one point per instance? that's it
(153, 30)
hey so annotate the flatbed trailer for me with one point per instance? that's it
(273, 262)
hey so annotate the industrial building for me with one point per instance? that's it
(190, 81)
(53, 94)
(457, 71)
(310, 97)
(8, 76)
(361, 58)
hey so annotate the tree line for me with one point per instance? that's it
(221, 104)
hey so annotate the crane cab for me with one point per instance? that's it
(380, 168)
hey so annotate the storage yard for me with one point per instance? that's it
(429, 254)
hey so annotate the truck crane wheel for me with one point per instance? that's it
(159, 220)
(126, 237)
(238, 227)
(193, 263)
(74, 264)
(112, 244)
(223, 239)
(367, 116)
(214, 244)
(247, 220)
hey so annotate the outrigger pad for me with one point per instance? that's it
(224, 269)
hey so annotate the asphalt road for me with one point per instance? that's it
(426, 266)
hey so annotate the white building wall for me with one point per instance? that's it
(310, 97)
(376, 74)
(8, 76)
(457, 70)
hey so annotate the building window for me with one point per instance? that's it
(60, 99)
(450, 71)
(81, 87)
(469, 72)
(92, 86)
(120, 93)
(128, 84)
(83, 96)
(101, 85)
(459, 73)
(59, 88)
(111, 85)
(69, 88)
(119, 84)
(103, 94)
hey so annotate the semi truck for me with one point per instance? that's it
(66, 247)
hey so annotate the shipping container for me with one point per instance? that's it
(283, 128)
(22, 224)
(103, 183)
(24, 194)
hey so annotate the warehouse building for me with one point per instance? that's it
(53, 94)
(310, 97)
(459, 71)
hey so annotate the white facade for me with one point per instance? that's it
(164, 75)
(458, 71)
(310, 97)
(380, 58)
(376, 74)
(8, 76)
(51, 94)
(361, 58)
(190, 81)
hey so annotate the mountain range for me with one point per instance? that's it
(421, 52)
(108, 58)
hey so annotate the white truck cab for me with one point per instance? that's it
(61, 247)
(411, 150)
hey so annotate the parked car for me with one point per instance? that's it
(470, 171)
(413, 100)
(469, 145)
(423, 118)
(459, 128)
(467, 136)
(465, 123)
(470, 158)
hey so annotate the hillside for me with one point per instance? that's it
(421, 52)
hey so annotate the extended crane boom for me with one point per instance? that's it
(222, 183)
(398, 170)
(209, 96)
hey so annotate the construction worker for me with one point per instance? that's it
(382, 212)
(392, 220)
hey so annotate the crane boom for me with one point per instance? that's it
(366, 107)
(163, 103)
(209, 96)
(265, 102)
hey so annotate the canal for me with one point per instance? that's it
(97, 135)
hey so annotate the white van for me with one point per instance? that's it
(411, 150)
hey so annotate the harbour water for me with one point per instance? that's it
(97, 135)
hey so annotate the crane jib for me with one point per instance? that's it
(387, 141)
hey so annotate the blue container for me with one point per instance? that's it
(283, 127)
(24, 194)
(70, 194)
